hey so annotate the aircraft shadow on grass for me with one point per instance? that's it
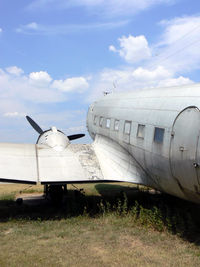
(146, 206)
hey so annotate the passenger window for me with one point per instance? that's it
(107, 123)
(116, 125)
(141, 131)
(101, 122)
(127, 127)
(159, 135)
(95, 120)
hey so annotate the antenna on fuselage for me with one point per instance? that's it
(106, 93)
(113, 89)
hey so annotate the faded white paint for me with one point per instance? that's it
(171, 165)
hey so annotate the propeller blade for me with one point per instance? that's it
(75, 136)
(34, 125)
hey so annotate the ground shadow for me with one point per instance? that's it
(178, 216)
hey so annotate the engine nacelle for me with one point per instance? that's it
(54, 138)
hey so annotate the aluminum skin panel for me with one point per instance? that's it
(77, 163)
(117, 163)
(183, 150)
(18, 163)
(154, 108)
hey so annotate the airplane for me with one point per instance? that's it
(148, 137)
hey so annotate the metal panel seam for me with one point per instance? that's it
(37, 164)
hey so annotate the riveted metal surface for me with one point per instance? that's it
(184, 146)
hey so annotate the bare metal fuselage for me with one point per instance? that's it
(163, 139)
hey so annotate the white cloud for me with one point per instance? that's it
(75, 129)
(14, 70)
(112, 48)
(183, 28)
(173, 57)
(63, 29)
(129, 79)
(40, 78)
(29, 28)
(32, 25)
(78, 84)
(178, 48)
(14, 114)
(133, 49)
(33, 94)
(19, 93)
(1, 30)
(108, 8)
(174, 82)
(160, 73)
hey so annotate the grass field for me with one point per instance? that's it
(107, 225)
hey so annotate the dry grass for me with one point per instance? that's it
(17, 189)
(96, 242)
(53, 236)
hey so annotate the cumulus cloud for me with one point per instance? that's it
(133, 48)
(40, 78)
(14, 70)
(129, 79)
(78, 84)
(37, 94)
(177, 48)
(18, 91)
(168, 62)
(160, 73)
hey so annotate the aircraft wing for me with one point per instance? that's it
(104, 160)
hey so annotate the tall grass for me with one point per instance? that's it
(140, 207)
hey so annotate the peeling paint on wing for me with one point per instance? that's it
(88, 161)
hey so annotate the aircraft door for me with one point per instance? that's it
(197, 163)
(184, 140)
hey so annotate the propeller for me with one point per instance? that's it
(75, 136)
(37, 128)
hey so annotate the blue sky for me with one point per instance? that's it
(57, 56)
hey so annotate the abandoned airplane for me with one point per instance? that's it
(148, 137)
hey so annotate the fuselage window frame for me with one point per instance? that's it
(116, 125)
(108, 121)
(159, 135)
(101, 121)
(127, 127)
(141, 131)
(95, 119)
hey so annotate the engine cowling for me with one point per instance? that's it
(54, 138)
